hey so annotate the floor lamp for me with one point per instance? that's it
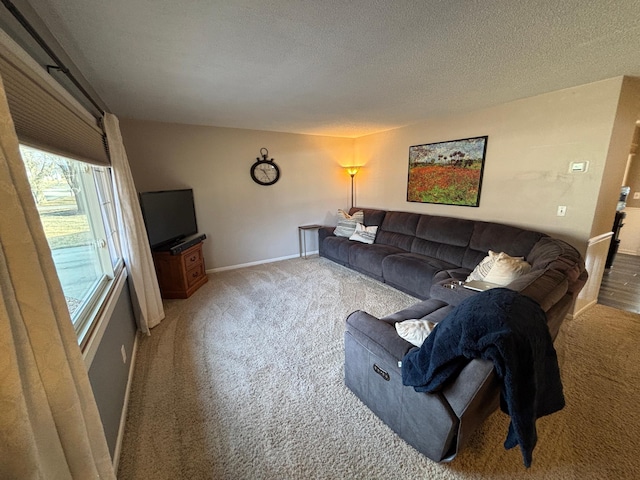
(352, 171)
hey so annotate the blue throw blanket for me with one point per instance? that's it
(509, 329)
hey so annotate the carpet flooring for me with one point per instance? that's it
(244, 380)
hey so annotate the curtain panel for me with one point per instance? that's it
(49, 423)
(145, 292)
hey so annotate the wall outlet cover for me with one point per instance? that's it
(578, 167)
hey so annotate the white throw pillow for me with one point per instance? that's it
(506, 269)
(415, 331)
(364, 234)
(482, 269)
(347, 223)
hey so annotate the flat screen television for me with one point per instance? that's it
(169, 216)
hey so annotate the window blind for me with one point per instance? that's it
(45, 115)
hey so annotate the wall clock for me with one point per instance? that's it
(264, 171)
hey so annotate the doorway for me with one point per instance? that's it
(620, 287)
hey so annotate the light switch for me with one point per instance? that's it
(562, 210)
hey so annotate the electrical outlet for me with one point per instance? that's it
(124, 354)
(562, 210)
(636, 195)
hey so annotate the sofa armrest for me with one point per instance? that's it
(324, 232)
(433, 310)
(552, 253)
(546, 287)
(378, 336)
(465, 387)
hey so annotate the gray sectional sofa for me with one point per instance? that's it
(425, 255)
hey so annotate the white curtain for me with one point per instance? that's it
(49, 422)
(145, 292)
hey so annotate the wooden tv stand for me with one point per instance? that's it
(180, 275)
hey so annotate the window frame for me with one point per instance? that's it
(98, 202)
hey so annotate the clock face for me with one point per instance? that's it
(265, 172)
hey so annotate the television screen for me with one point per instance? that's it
(169, 216)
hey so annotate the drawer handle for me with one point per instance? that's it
(193, 259)
(195, 274)
(381, 372)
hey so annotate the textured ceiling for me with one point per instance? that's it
(344, 68)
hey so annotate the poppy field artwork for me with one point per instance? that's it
(449, 173)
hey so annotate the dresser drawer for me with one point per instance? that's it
(195, 274)
(181, 274)
(191, 258)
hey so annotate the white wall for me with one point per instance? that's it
(244, 222)
(531, 144)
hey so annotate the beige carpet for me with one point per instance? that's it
(244, 380)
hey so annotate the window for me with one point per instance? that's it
(75, 202)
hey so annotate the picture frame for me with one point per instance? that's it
(447, 173)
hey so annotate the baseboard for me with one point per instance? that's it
(259, 262)
(628, 252)
(125, 406)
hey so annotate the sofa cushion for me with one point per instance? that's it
(372, 216)
(368, 258)
(412, 273)
(443, 237)
(398, 230)
(500, 238)
(449, 253)
(448, 230)
(451, 274)
(347, 223)
(337, 249)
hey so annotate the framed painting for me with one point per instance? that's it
(448, 173)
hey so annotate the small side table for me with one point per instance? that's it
(302, 237)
